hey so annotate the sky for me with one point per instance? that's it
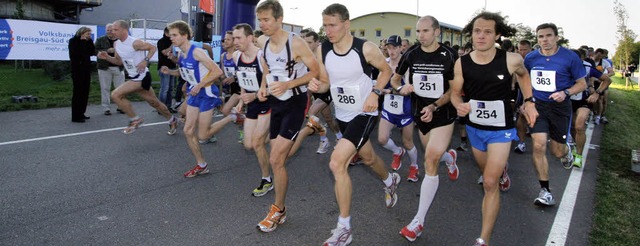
(590, 22)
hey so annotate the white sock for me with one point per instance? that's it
(346, 222)
(202, 165)
(268, 178)
(233, 117)
(338, 135)
(390, 145)
(323, 138)
(446, 157)
(413, 155)
(428, 191)
(389, 181)
(134, 118)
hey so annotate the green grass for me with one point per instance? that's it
(617, 208)
(50, 93)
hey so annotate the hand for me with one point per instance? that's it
(530, 112)
(558, 96)
(164, 70)
(228, 80)
(406, 90)
(103, 55)
(278, 88)
(111, 50)
(593, 98)
(427, 113)
(314, 85)
(262, 94)
(463, 109)
(142, 66)
(371, 104)
(247, 97)
(194, 91)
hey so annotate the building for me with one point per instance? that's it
(65, 11)
(378, 26)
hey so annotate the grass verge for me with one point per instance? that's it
(617, 207)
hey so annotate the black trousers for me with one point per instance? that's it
(80, 99)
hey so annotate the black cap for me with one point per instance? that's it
(394, 40)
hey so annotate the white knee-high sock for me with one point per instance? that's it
(428, 191)
(390, 145)
(413, 155)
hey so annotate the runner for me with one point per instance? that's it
(291, 66)
(430, 68)
(556, 74)
(199, 70)
(250, 66)
(485, 76)
(356, 109)
(130, 52)
(396, 111)
(524, 47)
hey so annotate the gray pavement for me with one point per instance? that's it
(107, 188)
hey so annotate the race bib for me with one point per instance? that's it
(428, 85)
(132, 71)
(394, 104)
(274, 78)
(487, 113)
(248, 80)
(347, 98)
(188, 75)
(543, 80)
(229, 71)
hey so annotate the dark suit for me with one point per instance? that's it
(80, 52)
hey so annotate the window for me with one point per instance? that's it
(407, 31)
(361, 32)
(378, 32)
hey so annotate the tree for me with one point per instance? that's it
(19, 13)
(524, 33)
(625, 36)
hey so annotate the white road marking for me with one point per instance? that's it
(74, 134)
(103, 218)
(560, 227)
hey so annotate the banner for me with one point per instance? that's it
(37, 40)
(208, 6)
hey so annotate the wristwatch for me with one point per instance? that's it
(566, 91)
(147, 59)
(399, 88)
(530, 99)
(376, 91)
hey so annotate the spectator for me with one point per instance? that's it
(81, 49)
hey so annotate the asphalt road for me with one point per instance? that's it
(64, 183)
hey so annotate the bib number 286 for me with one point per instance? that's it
(345, 99)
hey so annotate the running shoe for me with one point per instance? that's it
(480, 180)
(173, 125)
(577, 161)
(480, 242)
(314, 123)
(390, 195)
(241, 136)
(323, 147)
(464, 146)
(273, 219)
(567, 160)
(453, 166)
(505, 181)
(133, 125)
(544, 198)
(521, 148)
(412, 231)
(339, 236)
(397, 160)
(413, 174)
(197, 170)
(212, 139)
(604, 120)
(596, 121)
(263, 189)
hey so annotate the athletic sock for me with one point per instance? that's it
(390, 145)
(323, 137)
(346, 222)
(233, 117)
(446, 157)
(428, 191)
(413, 155)
(134, 118)
(544, 184)
(339, 135)
(389, 181)
(268, 178)
(202, 165)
